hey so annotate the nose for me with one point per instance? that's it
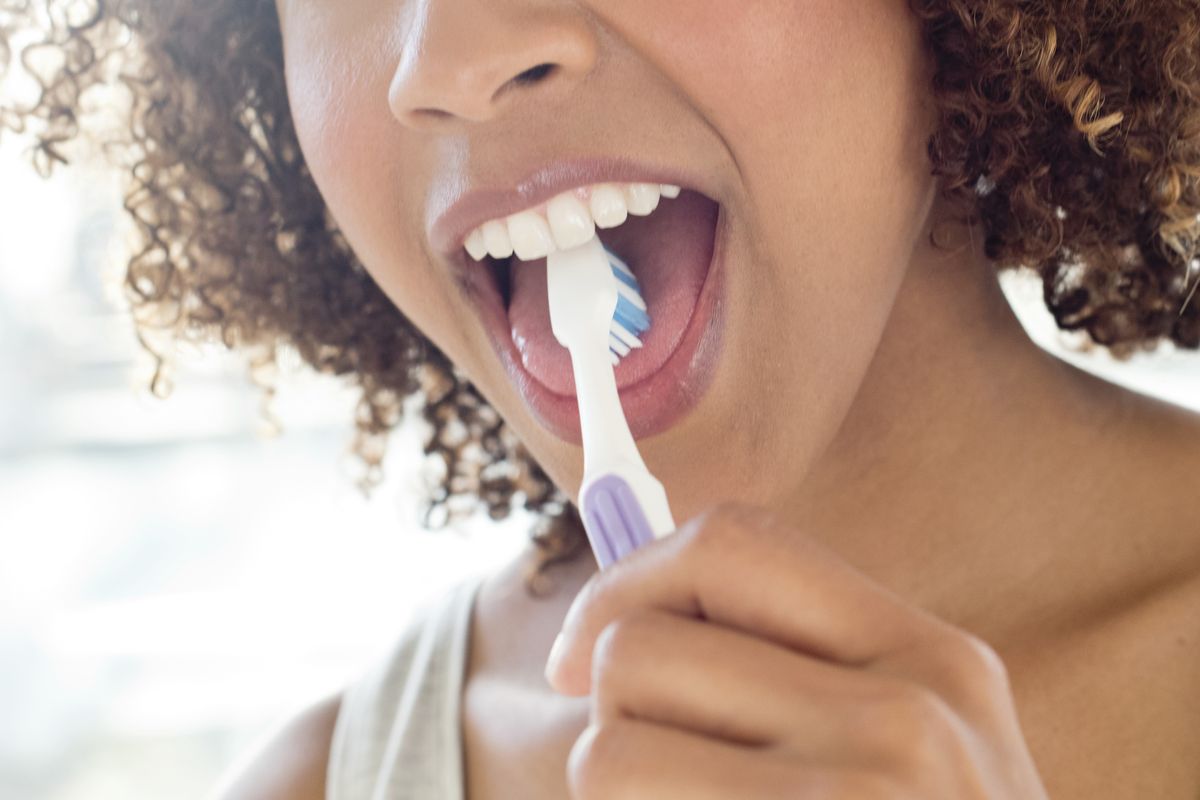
(468, 60)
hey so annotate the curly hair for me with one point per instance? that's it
(1068, 130)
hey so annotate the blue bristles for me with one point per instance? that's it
(631, 319)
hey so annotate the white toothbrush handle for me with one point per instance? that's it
(605, 432)
(623, 505)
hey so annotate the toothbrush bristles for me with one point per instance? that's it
(625, 277)
(631, 295)
(621, 266)
(628, 339)
(631, 318)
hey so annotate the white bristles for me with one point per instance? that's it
(631, 295)
(626, 337)
(617, 346)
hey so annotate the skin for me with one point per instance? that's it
(988, 532)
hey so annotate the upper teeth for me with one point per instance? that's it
(566, 221)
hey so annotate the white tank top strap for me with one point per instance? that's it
(397, 735)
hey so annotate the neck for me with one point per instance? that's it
(980, 476)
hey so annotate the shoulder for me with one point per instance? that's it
(344, 740)
(290, 763)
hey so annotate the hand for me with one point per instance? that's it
(737, 658)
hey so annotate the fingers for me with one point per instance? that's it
(626, 759)
(716, 682)
(739, 658)
(735, 566)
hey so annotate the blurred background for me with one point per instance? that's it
(174, 582)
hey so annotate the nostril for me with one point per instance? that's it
(534, 74)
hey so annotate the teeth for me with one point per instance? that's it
(642, 198)
(530, 235)
(495, 236)
(476, 245)
(570, 221)
(567, 221)
(608, 206)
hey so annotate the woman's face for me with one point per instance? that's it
(802, 123)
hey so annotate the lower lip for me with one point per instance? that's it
(656, 402)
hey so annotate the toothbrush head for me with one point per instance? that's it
(630, 320)
(596, 303)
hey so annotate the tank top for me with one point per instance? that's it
(397, 734)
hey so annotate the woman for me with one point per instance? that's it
(918, 556)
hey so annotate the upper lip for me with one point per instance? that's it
(468, 209)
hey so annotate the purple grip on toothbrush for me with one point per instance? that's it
(616, 524)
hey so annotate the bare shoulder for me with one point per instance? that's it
(290, 763)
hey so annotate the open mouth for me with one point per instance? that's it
(672, 251)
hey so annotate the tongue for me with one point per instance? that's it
(669, 252)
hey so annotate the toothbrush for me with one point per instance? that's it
(597, 313)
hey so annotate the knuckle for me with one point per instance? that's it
(596, 759)
(623, 639)
(970, 666)
(619, 648)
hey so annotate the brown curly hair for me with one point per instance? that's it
(1068, 130)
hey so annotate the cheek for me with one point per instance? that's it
(338, 98)
(764, 67)
(822, 105)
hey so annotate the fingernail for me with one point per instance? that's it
(554, 657)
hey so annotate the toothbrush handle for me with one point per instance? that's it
(622, 509)
(615, 522)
